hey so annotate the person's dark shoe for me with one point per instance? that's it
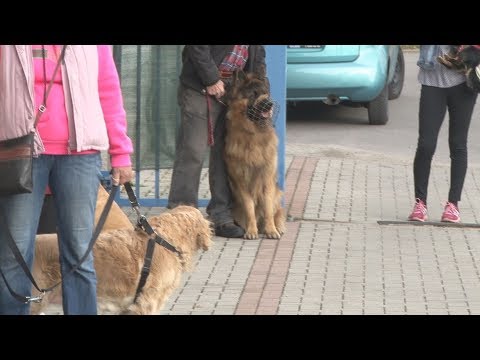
(229, 230)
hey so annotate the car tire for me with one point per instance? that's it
(396, 85)
(378, 108)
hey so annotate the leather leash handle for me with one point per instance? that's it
(18, 256)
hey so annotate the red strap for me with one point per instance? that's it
(210, 121)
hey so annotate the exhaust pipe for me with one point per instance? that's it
(332, 100)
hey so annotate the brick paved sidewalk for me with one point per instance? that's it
(335, 258)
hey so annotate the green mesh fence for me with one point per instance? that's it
(149, 78)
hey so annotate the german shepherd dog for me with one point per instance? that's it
(466, 59)
(251, 158)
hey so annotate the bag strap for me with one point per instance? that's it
(43, 107)
(26, 270)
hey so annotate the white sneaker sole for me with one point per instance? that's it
(451, 221)
(418, 219)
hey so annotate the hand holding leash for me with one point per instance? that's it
(217, 89)
(121, 175)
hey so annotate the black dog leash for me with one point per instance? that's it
(23, 264)
(143, 224)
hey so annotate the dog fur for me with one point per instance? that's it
(119, 257)
(116, 218)
(251, 158)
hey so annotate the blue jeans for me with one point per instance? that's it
(74, 181)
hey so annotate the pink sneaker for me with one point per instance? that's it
(451, 213)
(419, 212)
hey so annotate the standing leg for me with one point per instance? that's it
(220, 206)
(461, 102)
(21, 213)
(433, 106)
(74, 181)
(191, 149)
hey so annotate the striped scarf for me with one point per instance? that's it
(236, 59)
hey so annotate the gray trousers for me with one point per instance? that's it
(191, 148)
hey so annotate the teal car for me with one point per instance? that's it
(354, 75)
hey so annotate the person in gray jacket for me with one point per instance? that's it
(205, 78)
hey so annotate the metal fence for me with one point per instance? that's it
(149, 79)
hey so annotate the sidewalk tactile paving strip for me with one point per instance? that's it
(364, 269)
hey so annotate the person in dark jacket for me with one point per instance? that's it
(205, 78)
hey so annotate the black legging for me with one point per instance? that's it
(434, 101)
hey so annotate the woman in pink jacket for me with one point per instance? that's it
(84, 115)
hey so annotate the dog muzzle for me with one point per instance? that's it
(263, 113)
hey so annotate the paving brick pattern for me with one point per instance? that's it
(335, 258)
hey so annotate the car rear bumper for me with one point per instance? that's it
(358, 81)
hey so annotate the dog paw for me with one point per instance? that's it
(251, 235)
(272, 234)
(281, 229)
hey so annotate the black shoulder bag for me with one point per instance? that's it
(16, 154)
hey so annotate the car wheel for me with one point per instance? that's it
(396, 85)
(378, 108)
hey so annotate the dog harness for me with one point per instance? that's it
(154, 238)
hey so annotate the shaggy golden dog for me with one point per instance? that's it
(119, 257)
(251, 158)
(116, 218)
